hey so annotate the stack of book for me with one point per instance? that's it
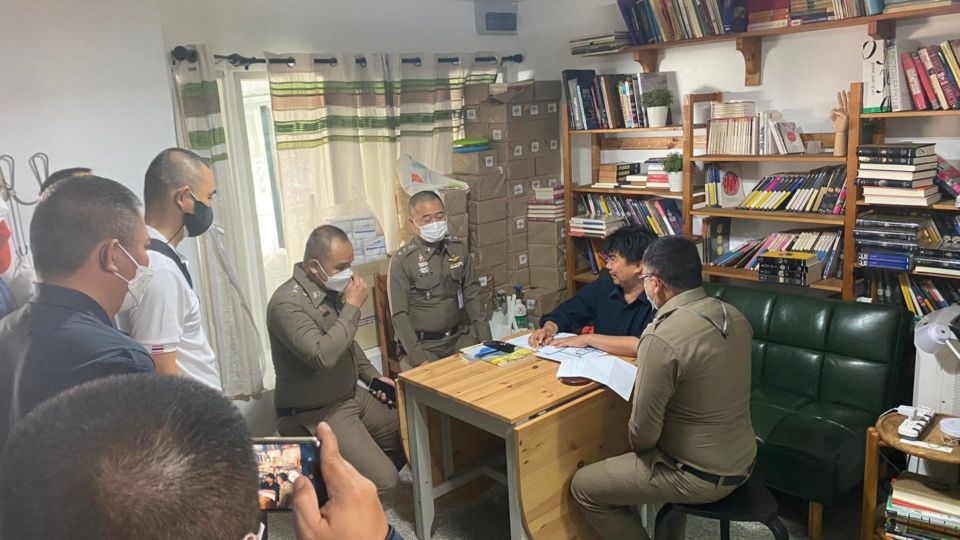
(546, 204)
(826, 246)
(821, 190)
(767, 14)
(635, 181)
(659, 216)
(898, 174)
(811, 11)
(891, 241)
(595, 226)
(923, 508)
(732, 128)
(611, 42)
(790, 268)
(608, 101)
(897, 6)
(611, 175)
(925, 79)
(919, 295)
(656, 21)
(656, 174)
(942, 258)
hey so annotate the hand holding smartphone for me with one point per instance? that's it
(378, 385)
(280, 461)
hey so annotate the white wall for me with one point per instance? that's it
(87, 83)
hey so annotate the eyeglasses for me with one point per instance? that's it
(644, 277)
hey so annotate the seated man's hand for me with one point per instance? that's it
(543, 336)
(353, 509)
(573, 341)
(382, 397)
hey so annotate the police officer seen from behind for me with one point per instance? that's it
(434, 294)
(312, 320)
(690, 431)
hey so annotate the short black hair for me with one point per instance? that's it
(629, 242)
(77, 214)
(270, 476)
(283, 476)
(120, 457)
(63, 174)
(320, 240)
(422, 197)
(676, 261)
(170, 170)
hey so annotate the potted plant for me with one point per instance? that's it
(673, 166)
(657, 103)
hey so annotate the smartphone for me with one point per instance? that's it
(377, 385)
(280, 461)
(501, 346)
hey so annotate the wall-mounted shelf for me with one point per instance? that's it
(778, 158)
(629, 192)
(831, 284)
(760, 215)
(749, 44)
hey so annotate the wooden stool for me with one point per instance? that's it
(750, 502)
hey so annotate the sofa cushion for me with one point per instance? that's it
(801, 322)
(792, 369)
(768, 407)
(854, 382)
(756, 305)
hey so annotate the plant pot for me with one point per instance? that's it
(657, 116)
(675, 180)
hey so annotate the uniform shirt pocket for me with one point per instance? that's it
(426, 283)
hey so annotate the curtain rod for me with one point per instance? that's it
(181, 54)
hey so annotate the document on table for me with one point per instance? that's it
(605, 369)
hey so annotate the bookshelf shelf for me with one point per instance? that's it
(792, 217)
(585, 277)
(911, 114)
(832, 284)
(780, 158)
(882, 26)
(948, 206)
(932, 275)
(629, 192)
(624, 130)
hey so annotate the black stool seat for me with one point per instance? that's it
(751, 502)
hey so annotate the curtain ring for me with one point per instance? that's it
(362, 61)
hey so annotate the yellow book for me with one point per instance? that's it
(951, 58)
(907, 294)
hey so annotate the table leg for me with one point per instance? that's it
(870, 470)
(446, 441)
(517, 529)
(419, 435)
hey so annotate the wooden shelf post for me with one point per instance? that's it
(648, 60)
(854, 107)
(752, 50)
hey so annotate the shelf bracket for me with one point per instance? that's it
(882, 29)
(649, 60)
(751, 48)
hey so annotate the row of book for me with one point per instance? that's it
(827, 245)
(907, 182)
(821, 190)
(609, 101)
(790, 268)
(735, 127)
(604, 214)
(922, 508)
(918, 294)
(908, 242)
(546, 204)
(649, 174)
(925, 79)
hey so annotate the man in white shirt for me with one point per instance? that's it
(177, 190)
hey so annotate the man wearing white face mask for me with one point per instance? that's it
(89, 249)
(432, 284)
(312, 320)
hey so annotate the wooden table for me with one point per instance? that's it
(550, 429)
(885, 435)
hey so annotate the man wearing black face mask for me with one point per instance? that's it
(177, 190)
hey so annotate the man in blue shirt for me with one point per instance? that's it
(89, 248)
(615, 303)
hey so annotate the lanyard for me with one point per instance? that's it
(723, 308)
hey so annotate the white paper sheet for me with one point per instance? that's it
(605, 369)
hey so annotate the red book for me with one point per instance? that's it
(931, 60)
(925, 81)
(913, 81)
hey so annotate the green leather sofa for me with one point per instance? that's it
(823, 371)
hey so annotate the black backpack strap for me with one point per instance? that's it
(164, 249)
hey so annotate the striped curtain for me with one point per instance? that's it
(341, 126)
(228, 273)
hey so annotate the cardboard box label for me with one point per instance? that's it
(554, 144)
(522, 259)
(534, 109)
(488, 161)
(518, 189)
(518, 150)
(552, 108)
(471, 114)
(485, 280)
(497, 134)
(516, 111)
(521, 223)
(535, 146)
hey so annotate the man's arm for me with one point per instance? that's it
(656, 382)
(365, 369)
(576, 312)
(398, 293)
(320, 350)
(157, 322)
(473, 303)
(166, 362)
(618, 345)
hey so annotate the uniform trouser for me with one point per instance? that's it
(368, 433)
(609, 491)
(442, 348)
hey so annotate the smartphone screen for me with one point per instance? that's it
(377, 385)
(280, 461)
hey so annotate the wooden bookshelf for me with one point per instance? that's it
(947, 206)
(831, 284)
(779, 158)
(628, 192)
(761, 215)
(623, 130)
(750, 44)
(911, 114)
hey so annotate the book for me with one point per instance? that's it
(912, 76)
(911, 193)
(913, 490)
(919, 164)
(791, 137)
(894, 183)
(947, 178)
(899, 150)
(923, 174)
(904, 201)
(900, 90)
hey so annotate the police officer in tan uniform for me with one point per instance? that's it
(434, 294)
(690, 431)
(312, 320)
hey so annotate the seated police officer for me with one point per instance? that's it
(433, 287)
(615, 303)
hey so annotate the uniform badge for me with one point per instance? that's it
(455, 262)
(324, 311)
(424, 267)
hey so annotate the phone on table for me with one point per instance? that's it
(377, 385)
(280, 461)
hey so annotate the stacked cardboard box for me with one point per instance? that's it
(548, 268)
(522, 123)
